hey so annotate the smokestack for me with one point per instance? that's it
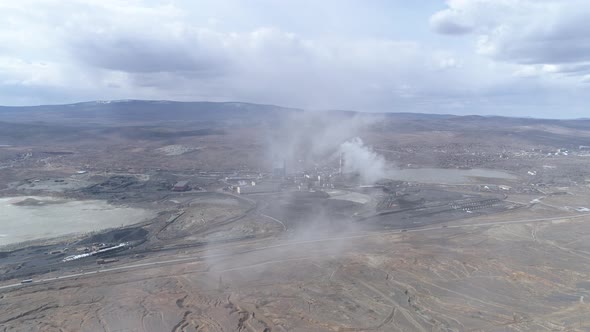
(340, 169)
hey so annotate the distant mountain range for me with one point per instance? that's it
(142, 111)
(170, 120)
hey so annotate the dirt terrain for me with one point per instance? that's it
(249, 246)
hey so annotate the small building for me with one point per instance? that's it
(181, 186)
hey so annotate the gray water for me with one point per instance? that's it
(51, 217)
(444, 175)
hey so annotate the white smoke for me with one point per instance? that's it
(362, 160)
(306, 139)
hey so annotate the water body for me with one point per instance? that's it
(29, 218)
(446, 175)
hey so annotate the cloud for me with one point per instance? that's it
(527, 71)
(159, 52)
(450, 22)
(224, 50)
(136, 54)
(524, 32)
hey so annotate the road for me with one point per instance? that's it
(287, 244)
(276, 220)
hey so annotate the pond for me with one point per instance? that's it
(446, 175)
(27, 218)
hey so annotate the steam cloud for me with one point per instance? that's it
(308, 139)
(360, 159)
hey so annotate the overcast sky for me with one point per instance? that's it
(505, 57)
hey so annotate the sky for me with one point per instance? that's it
(489, 57)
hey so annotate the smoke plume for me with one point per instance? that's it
(362, 160)
(308, 139)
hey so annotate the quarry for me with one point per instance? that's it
(292, 222)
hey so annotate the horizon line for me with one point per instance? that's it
(108, 101)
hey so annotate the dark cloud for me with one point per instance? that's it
(447, 22)
(564, 41)
(522, 31)
(572, 69)
(136, 54)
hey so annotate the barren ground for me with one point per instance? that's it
(491, 253)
